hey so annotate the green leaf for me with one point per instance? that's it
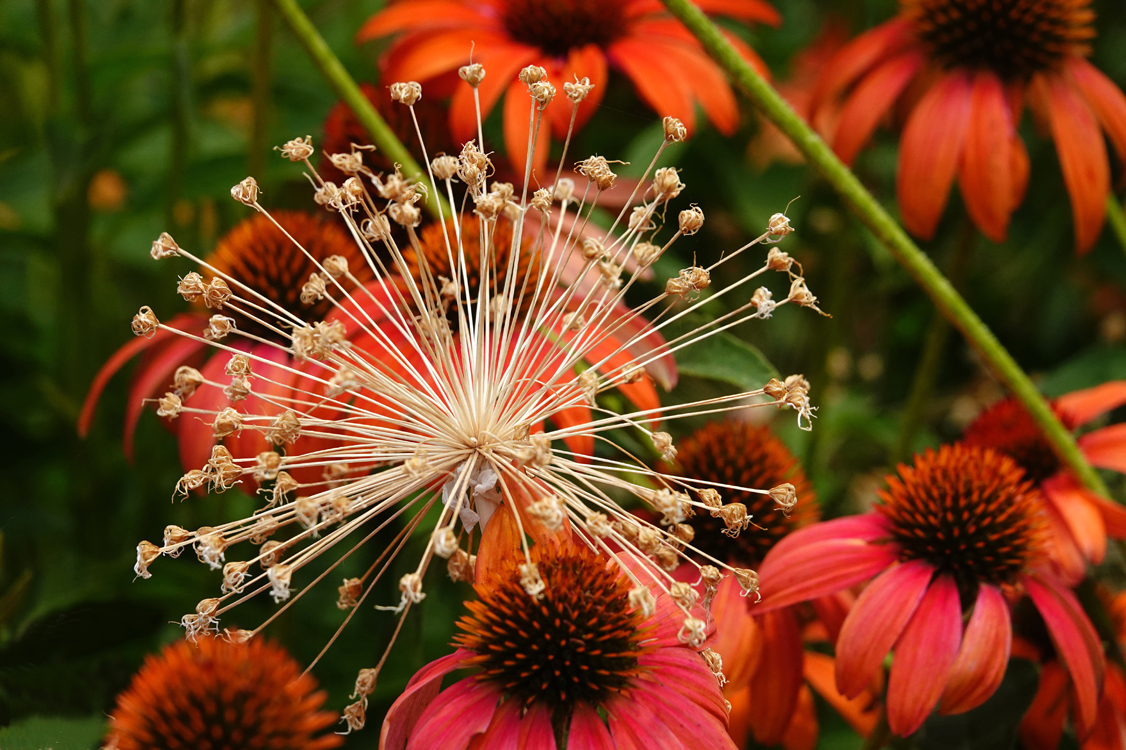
(55, 732)
(725, 358)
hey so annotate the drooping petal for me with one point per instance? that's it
(464, 709)
(518, 107)
(1080, 407)
(1083, 519)
(820, 569)
(196, 433)
(861, 712)
(503, 732)
(832, 610)
(859, 56)
(1075, 640)
(588, 731)
(502, 63)
(748, 11)
(1042, 725)
(1062, 549)
(876, 621)
(930, 150)
(500, 544)
(154, 378)
(584, 62)
(738, 635)
(778, 679)
(803, 730)
(692, 725)
(423, 55)
(981, 663)
(535, 728)
(658, 82)
(869, 527)
(986, 177)
(870, 101)
(683, 670)
(419, 692)
(924, 655)
(421, 14)
(1106, 447)
(1104, 98)
(1082, 154)
(581, 442)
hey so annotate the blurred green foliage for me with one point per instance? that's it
(123, 119)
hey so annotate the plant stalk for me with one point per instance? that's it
(1116, 219)
(880, 223)
(347, 89)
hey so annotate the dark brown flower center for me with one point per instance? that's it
(558, 26)
(579, 643)
(741, 454)
(1007, 428)
(259, 255)
(967, 511)
(1013, 38)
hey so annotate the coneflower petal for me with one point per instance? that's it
(419, 693)
(776, 683)
(588, 731)
(195, 432)
(695, 727)
(877, 619)
(1106, 447)
(681, 667)
(1074, 638)
(1082, 518)
(534, 729)
(820, 569)
(860, 712)
(1080, 407)
(1104, 98)
(873, 97)
(658, 82)
(924, 655)
(984, 655)
(156, 376)
(466, 708)
(868, 527)
(420, 14)
(986, 173)
(585, 62)
(859, 56)
(1042, 725)
(503, 63)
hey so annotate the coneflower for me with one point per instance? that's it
(433, 414)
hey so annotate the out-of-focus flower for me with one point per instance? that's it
(569, 40)
(1080, 521)
(764, 658)
(553, 668)
(963, 72)
(258, 257)
(1043, 723)
(222, 695)
(962, 525)
(441, 396)
(107, 191)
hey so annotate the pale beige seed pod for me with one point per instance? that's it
(145, 323)
(164, 247)
(735, 517)
(684, 595)
(297, 149)
(662, 441)
(693, 632)
(234, 576)
(227, 422)
(599, 525)
(776, 260)
(191, 287)
(349, 163)
(216, 294)
(763, 300)
(267, 465)
(541, 200)
(472, 74)
(445, 167)
(246, 192)
(646, 253)
(336, 266)
(270, 554)
(283, 485)
(532, 74)
(667, 184)
(564, 190)
(193, 480)
(410, 586)
(531, 581)
(445, 542)
(405, 214)
(597, 170)
(691, 220)
(578, 91)
(543, 92)
(748, 581)
(169, 406)
(354, 715)
(186, 380)
(313, 290)
(175, 536)
(675, 132)
(461, 565)
(592, 249)
(779, 227)
(285, 428)
(218, 326)
(146, 553)
(349, 593)
(280, 577)
(407, 92)
(641, 599)
(785, 496)
(365, 683)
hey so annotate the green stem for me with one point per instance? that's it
(905, 251)
(1116, 219)
(345, 87)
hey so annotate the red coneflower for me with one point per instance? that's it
(1080, 520)
(554, 667)
(217, 695)
(962, 525)
(963, 70)
(259, 256)
(572, 39)
(763, 655)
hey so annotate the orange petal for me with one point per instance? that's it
(859, 56)
(738, 637)
(778, 679)
(585, 62)
(1082, 153)
(870, 101)
(502, 63)
(1080, 407)
(422, 14)
(1042, 725)
(1084, 522)
(860, 712)
(517, 127)
(742, 10)
(423, 55)
(803, 729)
(500, 546)
(984, 655)
(986, 175)
(1106, 448)
(659, 83)
(1104, 98)
(929, 152)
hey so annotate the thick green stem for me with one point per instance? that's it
(905, 251)
(347, 89)
(1116, 219)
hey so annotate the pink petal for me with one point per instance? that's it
(819, 569)
(588, 731)
(1106, 447)
(1042, 726)
(1081, 516)
(924, 655)
(867, 527)
(981, 663)
(504, 730)
(873, 626)
(1075, 640)
(1080, 407)
(683, 670)
(151, 379)
(634, 727)
(462, 710)
(195, 432)
(420, 691)
(778, 679)
(693, 726)
(738, 637)
(535, 728)
(1064, 553)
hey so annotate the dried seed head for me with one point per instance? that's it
(715, 664)
(776, 260)
(779, 227)
(193, 480)
(691, 220)
(270, 554)
(671, 505)
(662, 441)
(531, 581)
(218, 326)
(314, 289)
(675, 132)
(216, 294)
(800, 293)
(763, 300)
(227, 422)
(689, 283)
(735, 517)
(349, 163)
(641, 599)
(445, 167)
(647, 253)
(191, 287)
(775, 388)
(785, 496)
(667, 184)
(579, 90)
(246, 192)
(297, 149)
(710, 497)
(599, 525)
(348, 597)
(472, 74)
(693, 632)
(354, 715)
(175, 536)
(307, 511)
(541, 200)
(280, 576)
(336, 266)
(542, 92)
(610, 274)
(684, 533)
(748, 581)
(164, 247)
(550, 511)
(445, 542)
(376, 229)
(684, 595)
(564, 189)
(597, 170)
(266, 467)
(145, 323)
(592, 249)
(641, 219)
(286, 428)
(588, 384)
(461, 565)
(234, 576)
(410, 585)
(405, 214)
(146, 553)
(406, 93)
(169, 406)
(238, 390)
(532, 74)
(210, 546)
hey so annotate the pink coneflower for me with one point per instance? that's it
(961, 525)
(1080, 521)
(587, 648)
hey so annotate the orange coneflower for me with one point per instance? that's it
(963, 70)
(961, 527)
(221, 695)
(589, 660)
(576, 38)
(443, 400)
(1080, 520)
(768, 671)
